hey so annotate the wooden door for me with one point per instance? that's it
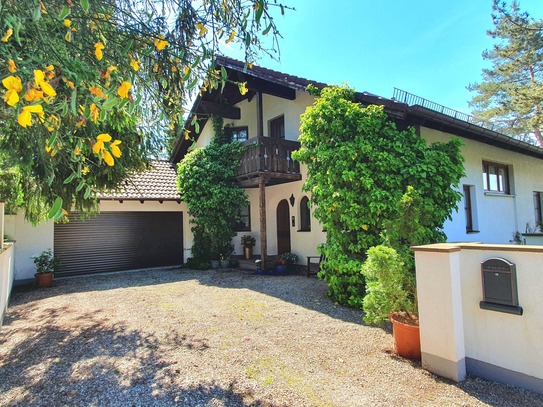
(283, 227)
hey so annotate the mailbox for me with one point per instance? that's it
(499, 279)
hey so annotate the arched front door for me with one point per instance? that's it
(283, 227)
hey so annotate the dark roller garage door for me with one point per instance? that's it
(114, 241)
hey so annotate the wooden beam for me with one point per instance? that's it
(263, 231)
(259, 115)
(226, 111)
(270, 88)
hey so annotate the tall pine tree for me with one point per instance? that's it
(511, 93)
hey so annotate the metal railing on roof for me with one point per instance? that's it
(410, 99)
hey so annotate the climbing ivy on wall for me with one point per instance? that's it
(359, 166)
(207, 183)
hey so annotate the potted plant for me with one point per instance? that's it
(224, 261)
(46, 264)
(289, 260)
(281, 266)
(247, 242)
(391, 295)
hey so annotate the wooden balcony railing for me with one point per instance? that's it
(270, 156)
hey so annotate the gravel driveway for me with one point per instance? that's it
(211, 338)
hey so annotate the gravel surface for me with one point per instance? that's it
(211, 338)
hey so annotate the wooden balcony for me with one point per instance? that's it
(270, 158)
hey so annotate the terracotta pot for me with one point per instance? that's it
(44, 279)
(406, 339)
(248, 252)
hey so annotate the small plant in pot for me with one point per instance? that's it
(46, 265)
(248, 242)
(391, 291)
(289, 260)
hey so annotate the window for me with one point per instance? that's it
(237, 133)
(277, 128)
(470, 208)
(496, 177)
(537, 208)
(305, 215)
(244, 222)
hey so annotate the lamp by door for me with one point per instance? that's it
(292, 200)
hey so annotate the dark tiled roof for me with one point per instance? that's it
(157, 183)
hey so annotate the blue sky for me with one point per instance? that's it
(431, 48)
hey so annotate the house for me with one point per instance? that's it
(502, 188)
(146, 223)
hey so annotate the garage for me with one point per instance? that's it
(115, 241)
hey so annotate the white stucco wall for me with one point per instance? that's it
(498, 216)
(455, 330)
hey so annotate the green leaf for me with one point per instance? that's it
(87, 193)
(85, 5)
(69, 179)
(80, 186)
(193, 83)
(260, 10)
(56, 209)
(248, 39)
(267, 30)
(65, 12)
(223, 72)
(36, 14)
(111, 102)
(73, 102)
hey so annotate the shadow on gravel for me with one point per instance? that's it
(95, 364)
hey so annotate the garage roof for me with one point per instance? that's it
(157, 183)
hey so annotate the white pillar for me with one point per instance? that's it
(440, 310)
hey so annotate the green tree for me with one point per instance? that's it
(207, 183)
(359, 165)
(511, 92)
(91, 89)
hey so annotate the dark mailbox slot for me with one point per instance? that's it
(500, 286)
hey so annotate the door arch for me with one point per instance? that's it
(283, 227)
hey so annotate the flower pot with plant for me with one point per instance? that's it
(247, 242)
(289, 260)
(46, 264)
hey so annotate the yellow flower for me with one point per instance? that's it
(106, 156)
(33, 95)
(25, 117)
(14, 86)
(98, 47)
(124, 89)
(9, 33)
(160, 44)
(232, 36)
(242, 88)
(100, 140)
(11, 66)
(52, 123)
(67, 23)
(94, 113)
(203, 30)
(50, 71)
(43, 9)
(39, 79)
(68, 82)
(115, 150)
(85, 170)
(135, 64)
(95, 91)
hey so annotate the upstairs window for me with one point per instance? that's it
(237, 133)
(496, 177)
(537, 208)
(305, 215)
(277, 128)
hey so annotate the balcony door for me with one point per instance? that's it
(283, 227)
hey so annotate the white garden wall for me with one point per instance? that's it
(458, 336)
